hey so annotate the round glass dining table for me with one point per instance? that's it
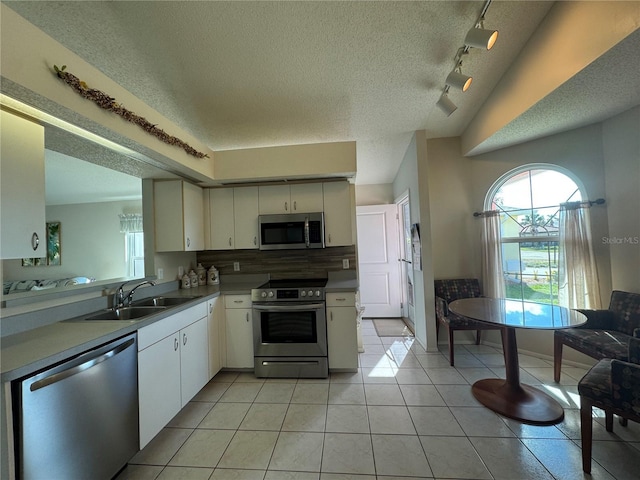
(508, 396)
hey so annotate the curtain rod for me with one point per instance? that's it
(589, 203)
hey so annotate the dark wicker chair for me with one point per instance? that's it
(606, 333)
(613, 386)
(446, 292)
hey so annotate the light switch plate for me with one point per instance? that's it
(345, 263)
(160, 273)
(236, 266)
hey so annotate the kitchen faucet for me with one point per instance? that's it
(120, 299)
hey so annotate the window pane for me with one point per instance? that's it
(514, 193)
(549, 187)
(531, 271)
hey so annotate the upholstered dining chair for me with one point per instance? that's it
(613, 386)
(446, 292)
(606, 333)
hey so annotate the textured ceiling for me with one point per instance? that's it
(252, 74)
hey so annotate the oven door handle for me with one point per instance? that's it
(288, 308)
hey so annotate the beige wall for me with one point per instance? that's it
(621, 144)
(374, 194)
(293, 161)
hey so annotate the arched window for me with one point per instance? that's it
(528, 199)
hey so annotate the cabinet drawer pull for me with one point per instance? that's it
(238, 301)
(340, 299)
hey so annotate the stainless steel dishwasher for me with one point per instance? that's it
(79, 420)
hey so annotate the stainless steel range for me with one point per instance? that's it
(290, 329)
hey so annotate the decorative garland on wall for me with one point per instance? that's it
(108, 103)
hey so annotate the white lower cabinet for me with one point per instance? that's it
(238, 331)
(194, 359)
(342, 338)
(215, 318)
(173, 365)
(159, 396)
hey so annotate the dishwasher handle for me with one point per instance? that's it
(92, 362)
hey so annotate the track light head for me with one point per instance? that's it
(458, 80)
(481, 38)
(446, 105)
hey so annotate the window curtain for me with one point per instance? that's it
(492, 276)
(130, 222)
(578, 276)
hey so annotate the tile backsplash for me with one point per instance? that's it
(313, 263)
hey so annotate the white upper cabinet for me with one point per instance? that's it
(231, 218)
(245, 216)
(220, 229)
(337, 214)
(178, 216)
(22, 191)
(297, 198)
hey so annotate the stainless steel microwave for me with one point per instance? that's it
(291, 231)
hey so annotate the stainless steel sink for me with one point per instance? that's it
(164, 301)
(126, 313)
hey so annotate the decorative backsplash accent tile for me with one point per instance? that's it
(280, 263)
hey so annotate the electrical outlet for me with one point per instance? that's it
(236, 266)
(180, 272)
(160, 273)
(345, 263)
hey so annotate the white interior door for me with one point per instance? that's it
(378, 260)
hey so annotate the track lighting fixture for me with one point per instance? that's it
(478, 37)
(458, 80)
(446, 105)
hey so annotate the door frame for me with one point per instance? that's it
(405, 255)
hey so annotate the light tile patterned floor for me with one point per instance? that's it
(405, 414)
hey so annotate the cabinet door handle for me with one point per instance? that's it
(255, 240)
(331, 316)
(176, 344)
(286, 206)
(329, 238)
(295, 205)
(210, 307)
(188, 242)
(229, 241)
(184, 339)
(35, 241)
(247, 316)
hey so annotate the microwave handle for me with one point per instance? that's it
(306, 231)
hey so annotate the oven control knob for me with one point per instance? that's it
(270, 294)
(311, 293)
(303, 293)
(317, 293)
(263, 294)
